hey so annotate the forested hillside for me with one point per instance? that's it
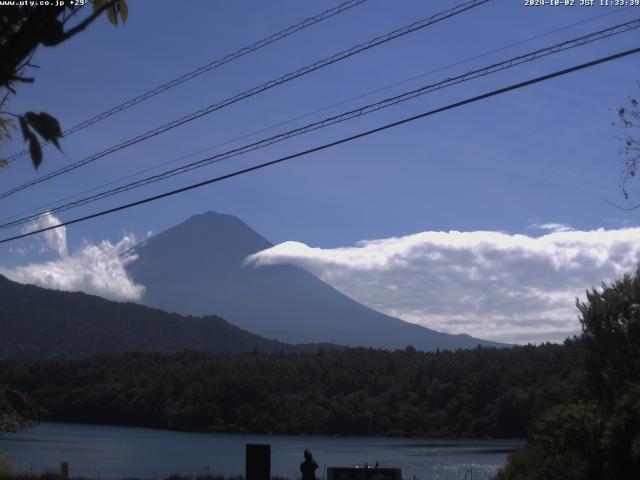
(38, 323)
(479, 392)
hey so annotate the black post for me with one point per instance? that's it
(64, 469)
(258, 462)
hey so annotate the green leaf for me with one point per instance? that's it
(46, 126)
(112, 16)
(35, 150)
(124, 10)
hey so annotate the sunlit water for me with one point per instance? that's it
(119, 452)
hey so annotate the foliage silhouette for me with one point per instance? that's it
(598, 435)
(23, 28)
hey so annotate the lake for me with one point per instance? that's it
(117, 452)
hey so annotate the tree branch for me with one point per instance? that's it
(620, 207)
(86, 22)
(38, 26)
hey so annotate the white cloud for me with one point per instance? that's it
(95, 269)
(55, 239)
(552, 227)
(493, 285)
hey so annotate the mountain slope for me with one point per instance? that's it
(37, 323)
(198, 268)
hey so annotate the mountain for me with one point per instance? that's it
(37, 323)
(197, 268)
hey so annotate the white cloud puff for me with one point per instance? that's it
(55, 239)
(95, 269)
(493, 285)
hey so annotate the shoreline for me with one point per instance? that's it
(275, 435)
(133, 452)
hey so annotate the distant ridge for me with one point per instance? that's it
(197, 267)
(37, 323)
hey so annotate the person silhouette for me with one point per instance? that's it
(309, 466)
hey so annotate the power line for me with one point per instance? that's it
(255, 90)
(307, 22)
(373, 107)
(387, 126)
(320, 110)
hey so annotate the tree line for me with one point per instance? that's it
(482, 392)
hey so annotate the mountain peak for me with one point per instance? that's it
(198, 267)
(221, 223)
(205, 246)
(210, 231)
(212, 215)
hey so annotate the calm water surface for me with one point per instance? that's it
(118, 452)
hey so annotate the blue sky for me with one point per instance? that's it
(545, 154)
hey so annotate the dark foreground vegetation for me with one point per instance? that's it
(577, 403)
(480, 392)
(595, 435)
(16, 410)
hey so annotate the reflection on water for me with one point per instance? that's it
(118, 452)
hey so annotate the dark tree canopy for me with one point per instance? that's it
(16, 410)
(597, 435)
(610, 319)
(467, 393)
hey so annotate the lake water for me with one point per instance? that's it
(118, 452)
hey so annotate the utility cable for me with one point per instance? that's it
(307, 22)
(388, 102)
(303, 153)
(314, 112)
(254, 91)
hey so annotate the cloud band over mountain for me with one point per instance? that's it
(494, 285)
